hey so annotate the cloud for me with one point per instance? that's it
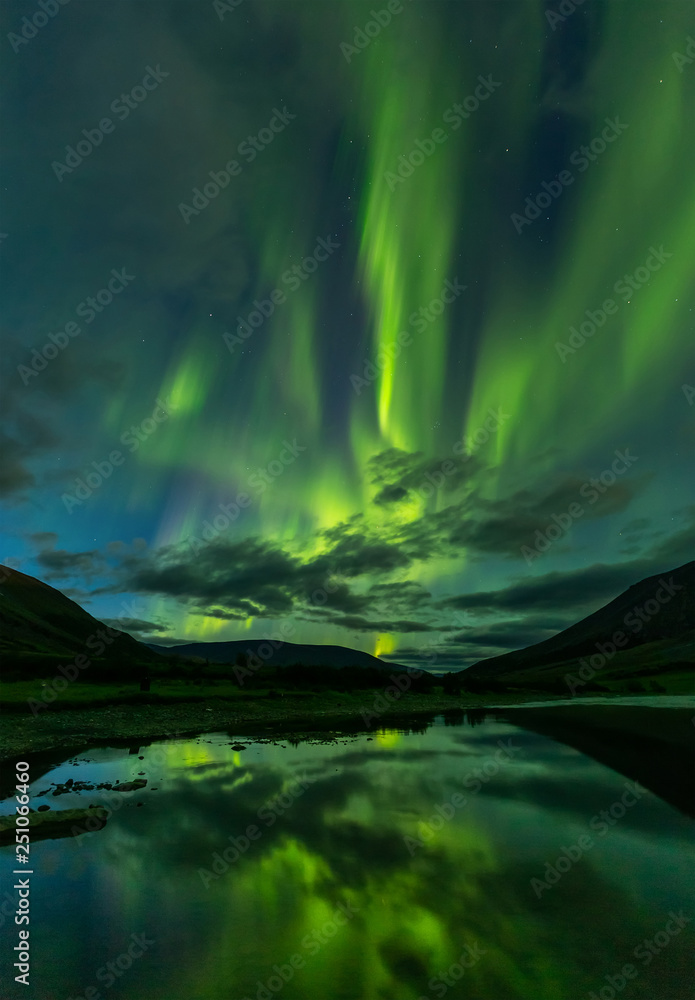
(43, 539)
(358, 624)
(510, 634)
(504, 526)
(400, 474)
(60, 564)
(135, 625)
(553, 591)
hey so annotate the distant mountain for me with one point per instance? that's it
(654, 618)
(282, 654)
(38, 622)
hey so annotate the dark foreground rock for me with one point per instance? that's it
(52, 825)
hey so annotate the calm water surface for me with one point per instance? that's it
(480, 861)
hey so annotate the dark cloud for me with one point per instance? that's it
(407, 593)
(14, 475)
(505, 526)
(509, 634)
(59, 564)
(25, 437)
(552, 591)
(44, 539)
(244, 610)
(253, 578)
(357, 551)
(576, 590)
(391, 494)
(400, 474)
(679, 547)
(135, 625)
(357, 624)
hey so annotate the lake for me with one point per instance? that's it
(481, 856)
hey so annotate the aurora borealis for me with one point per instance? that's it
(362, 305)
(359, 833)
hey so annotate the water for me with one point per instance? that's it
(461, 861)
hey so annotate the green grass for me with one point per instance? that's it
(14, 695)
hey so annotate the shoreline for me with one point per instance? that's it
(69, 729)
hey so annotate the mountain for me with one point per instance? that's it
(39, 624)
(282, 654)
(650, 625)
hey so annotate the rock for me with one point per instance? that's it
(64, 823)
(131, 786)
(43, 808)
(238, 746)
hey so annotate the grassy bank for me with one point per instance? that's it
(36, 717)
(140, 717)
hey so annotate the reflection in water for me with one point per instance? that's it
(383, 866)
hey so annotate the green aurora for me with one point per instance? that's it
(355, 420)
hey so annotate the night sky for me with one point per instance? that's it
(288, 305)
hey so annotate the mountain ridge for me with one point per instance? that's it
(281, 653)
(656, 612)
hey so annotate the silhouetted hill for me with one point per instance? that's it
(37, 622)
(278, 654)
(656, 614)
